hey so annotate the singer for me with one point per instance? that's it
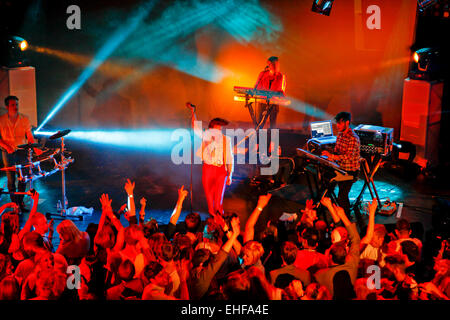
(270, 79)
(218, 161)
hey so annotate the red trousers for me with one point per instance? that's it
(214, 182)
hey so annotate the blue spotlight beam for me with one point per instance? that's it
(157, 140)
(308, 109)
(166, 37)
(108, 48)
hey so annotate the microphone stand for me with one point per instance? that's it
(192, 161)
(192, 155)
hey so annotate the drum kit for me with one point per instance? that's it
(43, 165)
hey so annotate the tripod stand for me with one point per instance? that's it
(62, 165)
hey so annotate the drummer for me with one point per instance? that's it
(15, 130)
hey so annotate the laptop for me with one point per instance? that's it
(322, 131)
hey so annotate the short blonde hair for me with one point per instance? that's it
(254, 249)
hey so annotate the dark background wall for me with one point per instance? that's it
(198, 50)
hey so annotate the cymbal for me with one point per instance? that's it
(29, 146)
(60, 134)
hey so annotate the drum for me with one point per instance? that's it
(46, 161)
(47, 154)
(41, 166)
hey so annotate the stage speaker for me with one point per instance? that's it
(421, 118)
(20, 82)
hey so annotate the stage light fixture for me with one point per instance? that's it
(23, 45)
(426, 64)
(423, 58)
(322, 6)
(424, 4)
(12, 52)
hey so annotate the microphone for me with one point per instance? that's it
(190, 105)
(266, 69)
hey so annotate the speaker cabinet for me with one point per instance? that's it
(421, 118)
(20, 82)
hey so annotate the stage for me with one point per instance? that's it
(100, 168)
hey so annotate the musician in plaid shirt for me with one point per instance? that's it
(347, 155)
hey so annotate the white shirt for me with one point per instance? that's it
(213, 144)
(14, 134)
(370, 252)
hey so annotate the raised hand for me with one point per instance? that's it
(182, 194)
(236, 226)
(142, 212)
(373, 206)
(129, 187)
(326, 202)
(229, 180)
(34, 195)
(309, 214)
(105, 201)
(309, 204)
(264, 200)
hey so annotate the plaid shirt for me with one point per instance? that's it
(347, 150)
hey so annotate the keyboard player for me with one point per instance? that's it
(270, 79)
(346, 154)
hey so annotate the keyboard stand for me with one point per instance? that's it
(265, 114)
(369, 173)
(248, 105)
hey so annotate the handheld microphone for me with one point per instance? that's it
(266, 69)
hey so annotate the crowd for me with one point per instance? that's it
(308, 259)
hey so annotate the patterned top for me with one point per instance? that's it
(347, 150)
